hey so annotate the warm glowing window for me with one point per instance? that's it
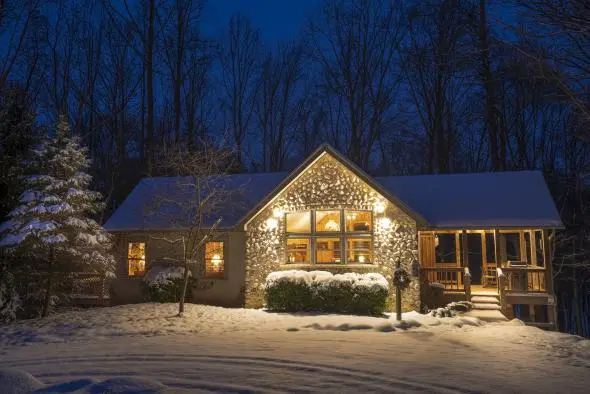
(136, 259)
(358, 221)
(328, 251)
(337, 237)
(299, 222)
(298, 250)
(328, 221)
(358, 250)
(214, 259)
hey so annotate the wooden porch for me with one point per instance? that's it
(495, 269)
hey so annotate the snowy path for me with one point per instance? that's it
(258, 354)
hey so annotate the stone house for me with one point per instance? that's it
(462, 236)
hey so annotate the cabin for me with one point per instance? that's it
(482, 237)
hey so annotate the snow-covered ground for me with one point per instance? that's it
(236, 350)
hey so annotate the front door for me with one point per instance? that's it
(475, 259)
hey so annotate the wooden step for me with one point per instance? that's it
(479, 299)
(487, 307)
(487, 315)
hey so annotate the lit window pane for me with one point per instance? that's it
(136, 259)
(214, 261)
(328, 251)
(358, 221)
(327, 220)
(298, 250)
(299, 222)
(359, 250)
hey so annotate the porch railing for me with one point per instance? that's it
(90, 286)
(452, 278)
(524, 279)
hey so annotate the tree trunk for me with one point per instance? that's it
(149, 57)
(48, 287)
(184, 280)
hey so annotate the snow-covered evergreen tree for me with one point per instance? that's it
(52, 220)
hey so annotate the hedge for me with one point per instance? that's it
(321, 291)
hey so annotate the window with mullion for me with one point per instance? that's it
(329, 236)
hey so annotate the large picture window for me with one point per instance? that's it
(332, 236)
(136, 259)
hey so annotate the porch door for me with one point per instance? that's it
(475, 260)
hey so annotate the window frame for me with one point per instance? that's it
(343, 235)
(223, 260)
(144, 259)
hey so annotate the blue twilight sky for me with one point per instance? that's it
(276, 19)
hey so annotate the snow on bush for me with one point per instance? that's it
(164, 283)
(452, 309)
(295, 290)
(162, 275)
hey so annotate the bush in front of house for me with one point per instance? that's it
(163, 283)
(321, 291)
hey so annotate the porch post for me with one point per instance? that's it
(464, 252)
(547, 253)
(497, 249)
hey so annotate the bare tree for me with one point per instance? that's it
(195, 203)
(240, 61)
(182, 41)
(276, 104)
(435, 66)
(142, 25)
(357, 45)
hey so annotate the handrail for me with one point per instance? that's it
(525, 279)
(452, 278)
(467, 283)
(501, 288)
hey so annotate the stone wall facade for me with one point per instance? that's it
(329, 184)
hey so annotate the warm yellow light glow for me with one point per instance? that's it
(361, 259)
(272, 223)
(385, 223)
(216, 260)
(277, 212)
(331, 225)
(379, 207)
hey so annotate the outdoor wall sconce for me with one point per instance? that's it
(385, 223)
(272, 223)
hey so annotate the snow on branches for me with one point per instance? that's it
(52, 219)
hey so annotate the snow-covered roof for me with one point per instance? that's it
(475, 200)
(478, 200)
(157, 203)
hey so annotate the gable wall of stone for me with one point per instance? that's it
(328, 184)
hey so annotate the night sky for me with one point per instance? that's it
(276, 19)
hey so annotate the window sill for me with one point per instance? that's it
(215, 277)
(320, 266)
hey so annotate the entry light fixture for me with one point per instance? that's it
(272, 223)
(385, 223)
(277, 212)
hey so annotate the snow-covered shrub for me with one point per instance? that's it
(289, 291)
(322, 291)
(163, 283)
(431, 295)
(452, 309)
